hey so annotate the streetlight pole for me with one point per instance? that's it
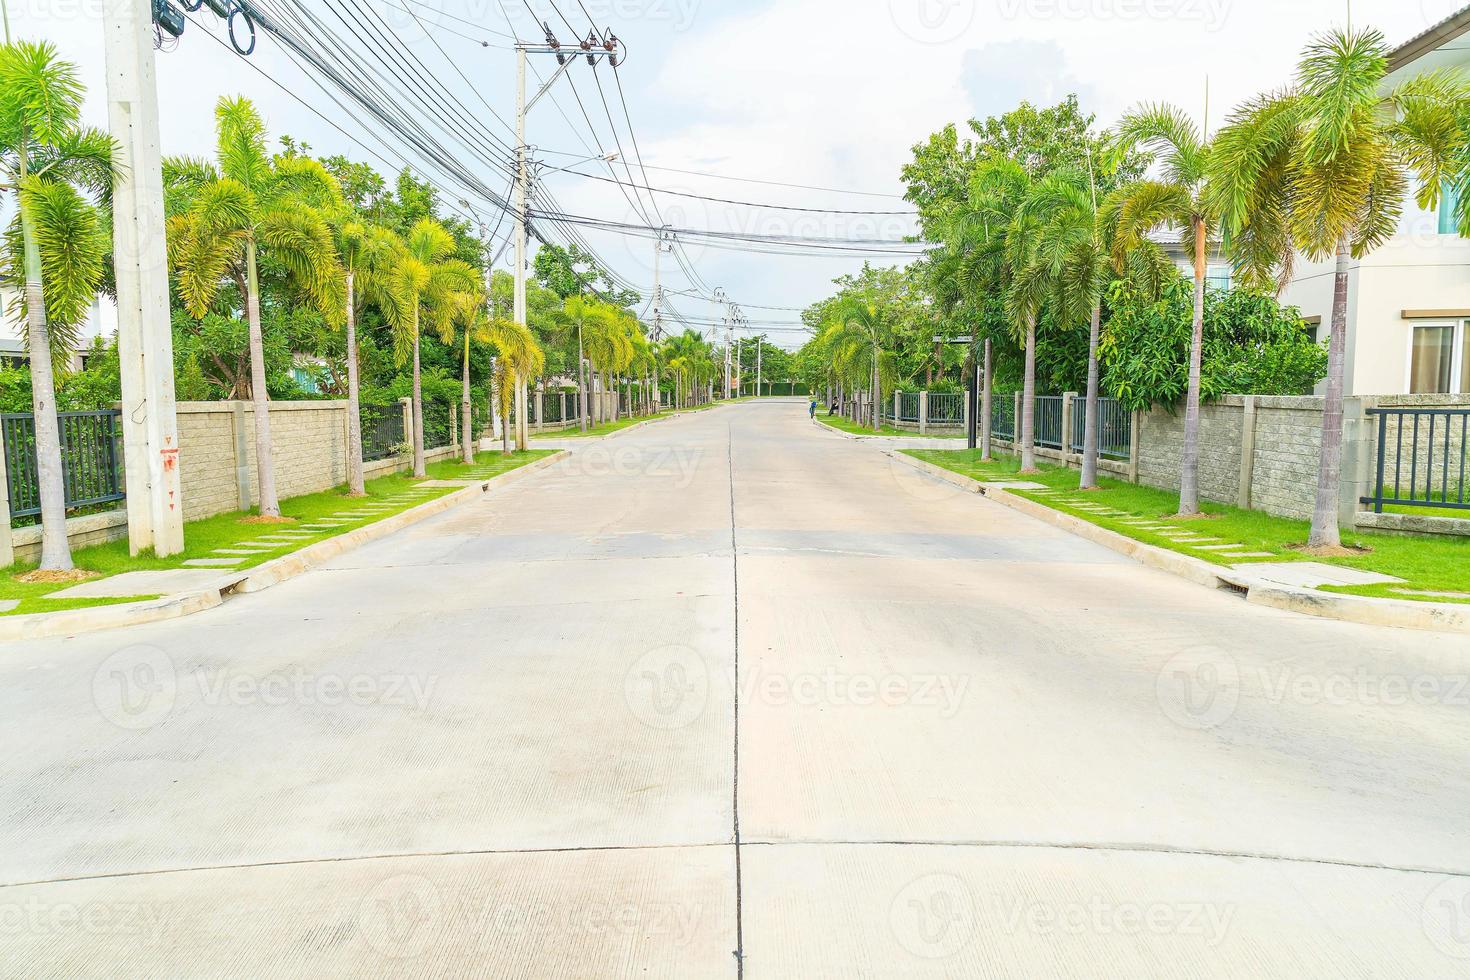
(145, 342)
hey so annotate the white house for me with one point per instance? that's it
(101, 322)
(1409, 300)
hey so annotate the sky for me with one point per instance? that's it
(824, 93)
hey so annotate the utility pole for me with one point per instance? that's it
(145, 342)
(758, 346)
(592, 48)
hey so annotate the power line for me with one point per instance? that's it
(753, 180)
(726, 200)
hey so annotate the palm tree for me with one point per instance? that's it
(1324, 169)
(369, 253)
(519, 357)
(62, 243)
(859, 332)
(434, 285)
(1178, 198)
(247, 202)
(468, 323)
(585, 315)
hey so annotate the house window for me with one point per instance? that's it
(1449, 203)
(1218, 277)
(1440, 360)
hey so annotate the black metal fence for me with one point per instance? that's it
(91, 460)
(1003, 417)
(382, 431)
(1114, 428)
(1423, 455)
(1049, 421)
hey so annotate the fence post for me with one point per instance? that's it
(1134, 437)
(406, 404)
(1247, 454)
(1016, 424)
(242, 454)
(923, 412)
(965, 415)
(540, 408)
(1069, 399)
(7, 550)
(897, 408)
(1357, 459)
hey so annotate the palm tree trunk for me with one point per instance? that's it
(1090, 420)
(466, 428)
(1325, 530)
(877, 394)
(356, 485)
(505, 408)
(581, 383)
(986, 396)
(265, 468)
(1028, 401)
(1189, 476)
(55, 547)
(418, 404)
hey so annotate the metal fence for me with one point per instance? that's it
(438, 425)
(908, 406)
(1114, 428)
(946, 408)
(1003, 417)
(1422, 458)
(382, 431)
(1049, 421)
(91, 460)
(557, 408)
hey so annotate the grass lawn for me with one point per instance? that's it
(606, 428)
(846, 425)
(1428, 564)
(386, 496)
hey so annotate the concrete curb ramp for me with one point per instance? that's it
(72, 621)
(1443, 617)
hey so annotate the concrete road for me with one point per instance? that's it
(727, 691)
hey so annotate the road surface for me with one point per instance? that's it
(733, 691)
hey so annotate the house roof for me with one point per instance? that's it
(1440, 34)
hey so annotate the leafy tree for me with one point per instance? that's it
(1177, 198)
(55, 246)
(430, 283)
(1324, 169)
(1251, 345)
(245, 202)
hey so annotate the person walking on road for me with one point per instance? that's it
(812, 410)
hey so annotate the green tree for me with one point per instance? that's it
(244, 203)
(1177, 198)
(1324, 169)
(56, 245)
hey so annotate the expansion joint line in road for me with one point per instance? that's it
(735, 782)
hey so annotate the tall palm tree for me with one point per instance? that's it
(369, 253)
(249, 201)
(1178, 197)
(1324, 169)
(55, 247)
(432, 285)
(466, 324)
(519, 356)
(585, 314)
(861, 331)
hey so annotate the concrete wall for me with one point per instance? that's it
(217, 466)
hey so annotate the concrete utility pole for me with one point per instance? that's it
(758, 346)
(144, 335)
